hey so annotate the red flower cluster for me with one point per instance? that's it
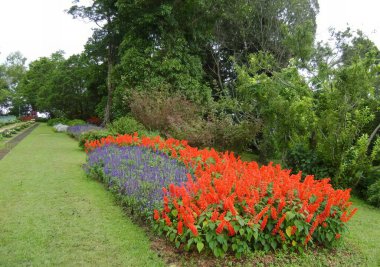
(94, 120)
(225, 185)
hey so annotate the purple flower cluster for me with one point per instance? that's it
(136, 173)
(77, 130)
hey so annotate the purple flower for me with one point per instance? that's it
(136, 173)
(77, 130)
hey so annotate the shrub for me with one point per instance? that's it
(92, 136)
(56, 121)
(94, 120)
(374, 193)
(126, 125)
(27, 118)
(175, 116)
(233, 206)
(300, 158)
(76, 122)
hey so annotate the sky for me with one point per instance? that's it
(39, 28)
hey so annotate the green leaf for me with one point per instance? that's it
(330, 236)
(200, 246)
(289, 231)
(240, 220)
(290, 215)
(273, 244)
(175, 213)
(299, 225)
(255, 234)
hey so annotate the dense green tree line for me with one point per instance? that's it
(244, 75)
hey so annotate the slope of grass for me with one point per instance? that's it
(51, 214)
(364, 235)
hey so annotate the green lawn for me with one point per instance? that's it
(51, 214)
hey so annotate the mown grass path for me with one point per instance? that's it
(51, 214)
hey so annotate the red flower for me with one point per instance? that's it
(273, 213)
(180, 228)
(220, 227)
(264, 223)
(167, 220)
(156, 215)
(282, 235)
(214, 216)
(278, 225)
(193, 229)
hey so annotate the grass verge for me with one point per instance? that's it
(51, 214)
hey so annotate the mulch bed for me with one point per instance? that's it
(14, 141)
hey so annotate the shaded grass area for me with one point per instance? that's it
(51, 214)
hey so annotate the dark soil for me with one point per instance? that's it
(14, 141)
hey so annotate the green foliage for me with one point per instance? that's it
(174, 116)
(300, 158)
(92, 135)
(374, 193)
(126, 125)
(280, 100)
(76, 122)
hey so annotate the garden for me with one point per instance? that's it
(215, 207)
(223, 133)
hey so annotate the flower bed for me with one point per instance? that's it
(76, 130)
(233, 206)
(137, 174)
(13, 129)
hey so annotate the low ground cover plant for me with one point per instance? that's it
(76, 130)
(137, 174)
(228, 205)
(9, 131)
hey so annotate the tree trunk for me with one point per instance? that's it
(370, 139)
(110, 86)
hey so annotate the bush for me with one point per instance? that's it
(56, 121)
(374, 194)
(27, 118)
(94, 120)
(76, 122)
(174, 116)
(300, 158)
(92, 136)
(126, 125)
(228, 205)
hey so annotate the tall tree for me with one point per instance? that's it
(108, 37)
